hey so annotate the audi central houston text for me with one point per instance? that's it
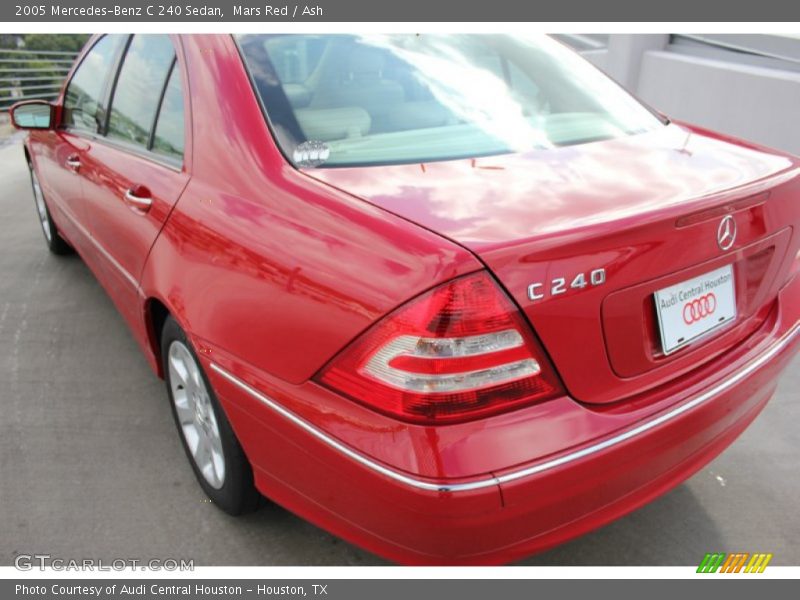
(154, 589)
(454, 298)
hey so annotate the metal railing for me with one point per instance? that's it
(780, 48)
(31, 74)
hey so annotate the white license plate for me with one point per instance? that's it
(695, 307)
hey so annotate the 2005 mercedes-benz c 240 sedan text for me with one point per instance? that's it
(453, 298)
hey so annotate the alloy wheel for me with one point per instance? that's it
(41, 207)
(196, 416)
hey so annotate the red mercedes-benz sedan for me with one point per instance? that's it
(456, 299)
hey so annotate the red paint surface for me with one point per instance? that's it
(273, 271)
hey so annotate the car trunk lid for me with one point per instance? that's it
(597, 229)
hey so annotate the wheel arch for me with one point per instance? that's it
(156, 313)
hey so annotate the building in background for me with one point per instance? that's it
(744, 85)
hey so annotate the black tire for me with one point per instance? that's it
(55, 243)
(237, 494)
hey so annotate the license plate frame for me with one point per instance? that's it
(695, 308)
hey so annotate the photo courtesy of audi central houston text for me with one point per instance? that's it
(455, 299)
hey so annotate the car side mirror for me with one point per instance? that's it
(32, 114)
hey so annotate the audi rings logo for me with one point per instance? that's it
(699, 308)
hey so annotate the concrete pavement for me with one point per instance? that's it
(91, 465)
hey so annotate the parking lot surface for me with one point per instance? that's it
(91, 466)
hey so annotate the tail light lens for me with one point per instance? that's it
(458, 352)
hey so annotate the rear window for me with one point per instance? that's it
(353, 100)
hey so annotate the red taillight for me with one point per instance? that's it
(460, 351)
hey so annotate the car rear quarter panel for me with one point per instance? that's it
(278, 269)
(272, 272)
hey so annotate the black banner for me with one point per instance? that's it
(76, 11)
(397, 589)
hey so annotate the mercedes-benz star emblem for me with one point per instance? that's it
(726, 233)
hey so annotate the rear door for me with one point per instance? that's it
(135, 172)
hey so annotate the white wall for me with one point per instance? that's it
(756, 103)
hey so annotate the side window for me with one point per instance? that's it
(85, 91)
(168, 136)
(138, 90)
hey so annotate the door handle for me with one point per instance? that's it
(138, 197)
(73, 162)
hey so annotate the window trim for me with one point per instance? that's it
(174, 164)
(148, 149)
(103, 99)
(159, 159)
(116, 69)
(157, 116)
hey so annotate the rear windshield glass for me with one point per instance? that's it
(352, 100)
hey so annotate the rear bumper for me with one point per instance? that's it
(500, 515)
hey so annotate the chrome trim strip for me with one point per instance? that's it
(131, 279)
(359, 458)
(719, 388)
(130, 149)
